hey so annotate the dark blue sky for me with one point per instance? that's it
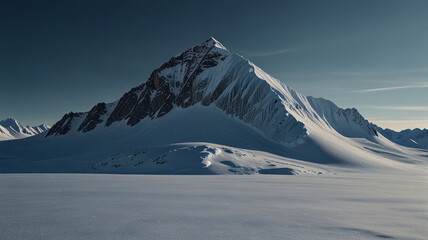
(61, 56)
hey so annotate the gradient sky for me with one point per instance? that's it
(62, 56)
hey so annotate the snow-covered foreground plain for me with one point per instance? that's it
(97, 206)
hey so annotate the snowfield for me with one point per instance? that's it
(98, 206)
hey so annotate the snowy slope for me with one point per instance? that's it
(347, 122)
(10, 129)
(210, 111)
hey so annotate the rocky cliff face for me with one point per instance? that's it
(63, 126)
(93, 118)
(170, 85)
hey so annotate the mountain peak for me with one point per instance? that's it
(212, 42)
(10, 121)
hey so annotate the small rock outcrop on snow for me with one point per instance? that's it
(10, 129)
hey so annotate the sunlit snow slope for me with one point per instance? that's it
(210, 111)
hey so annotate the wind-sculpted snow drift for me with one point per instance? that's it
(209, 110)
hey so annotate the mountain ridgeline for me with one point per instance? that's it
(209, 74)
(409, 137)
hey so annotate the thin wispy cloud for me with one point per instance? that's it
(415, 85)
(401, 108)
(315, 45)
(268, 53)
(380, 73)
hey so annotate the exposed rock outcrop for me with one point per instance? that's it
(93, 118)
(63, 126)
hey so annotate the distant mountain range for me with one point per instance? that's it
(10, 129)
(210, 111)
(409, 137)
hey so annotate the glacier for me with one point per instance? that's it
(116, 206)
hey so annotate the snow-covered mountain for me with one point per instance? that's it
(208, 74)
(408, 137)
(209, 110)
(10, 129)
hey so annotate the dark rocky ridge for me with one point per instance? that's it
(64, 125)
(156, 97)
(93, 118)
